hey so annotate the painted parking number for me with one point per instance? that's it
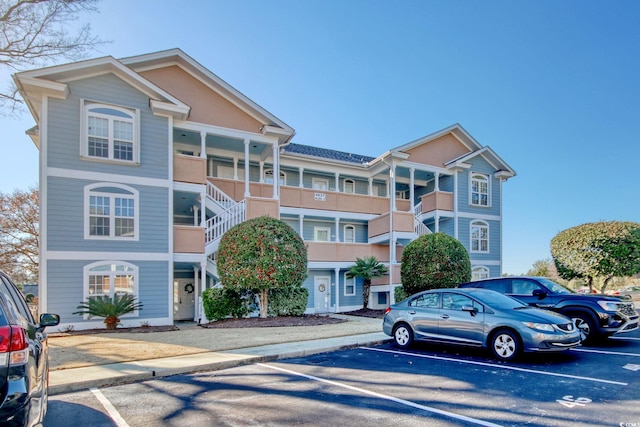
(571, 402)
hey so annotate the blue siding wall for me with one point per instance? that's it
(65, 288)
(63, 148)
(479, 166)
(65, 226)
(464, 235)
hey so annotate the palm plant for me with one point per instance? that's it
(368, 268)
(109, 308)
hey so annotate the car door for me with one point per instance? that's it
(424, 315)
(458, 325)
(530, 292)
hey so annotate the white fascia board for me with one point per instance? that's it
(222, 131)
(304, 159)
(327, 214)
(178, 112)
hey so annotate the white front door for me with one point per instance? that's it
(321, 295)
(184, 299)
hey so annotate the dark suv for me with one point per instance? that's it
(598, 316)
(24, 363)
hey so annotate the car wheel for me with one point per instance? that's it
(403, 335)
(505, 344)
(585, 324)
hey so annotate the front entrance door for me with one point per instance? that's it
(321, 284)
(184, 299)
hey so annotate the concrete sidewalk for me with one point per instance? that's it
(216, 349)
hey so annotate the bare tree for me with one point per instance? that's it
(37, 33)
(19, 223)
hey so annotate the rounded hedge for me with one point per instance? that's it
(434, 261)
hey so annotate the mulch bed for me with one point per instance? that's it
(250, 322)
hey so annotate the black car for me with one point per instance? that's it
(24, 363)
(598, 316)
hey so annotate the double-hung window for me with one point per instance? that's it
(349, 285)
(349, 233)
(479, 236)
(110, 133)
(111, 212)
(110, 278)
(480, 190)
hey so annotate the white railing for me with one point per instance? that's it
(218, 195)
(221, 223)
(419, 226)
(417, 209)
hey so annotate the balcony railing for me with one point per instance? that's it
(189, 169)
(346, 252)
(437, 201)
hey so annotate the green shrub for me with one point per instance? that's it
(109, 308)
(289, 301)
(220, 303)
(400, 294)
(434, 261)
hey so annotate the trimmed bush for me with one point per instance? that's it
(434, 261)
(399, 294)
(220, 303)
(290, 301)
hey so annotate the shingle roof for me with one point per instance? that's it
(326, 153)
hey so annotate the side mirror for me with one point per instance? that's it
(540, 294)
(48, 319)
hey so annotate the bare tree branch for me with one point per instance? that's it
(36, 33)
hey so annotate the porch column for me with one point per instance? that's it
(276, 171)
(455, 204)
(247, 193)
(392, 186)
(337, 174)
(437, 182)
(235, 168)
(437, 220)
(261, 171)
(371, 186)
(337, 289)
(201, 288)
(337, 220)
(301, 224)
(203, 145)
(301, 181)
(411, 189)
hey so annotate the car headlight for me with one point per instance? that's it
(545, 327)
(609, 305)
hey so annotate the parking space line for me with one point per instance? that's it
(493, 365)
(386, 397)
(625, 338)
(617, 353)
(113, 413)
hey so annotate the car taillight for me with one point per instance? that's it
(14, 348)
(387, 310)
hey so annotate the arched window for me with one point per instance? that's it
(479, 272)
(110, 278)
(479, 236)
(480, 190)
(349, 234)
(110, 133)
(111, 212)
(349, 186)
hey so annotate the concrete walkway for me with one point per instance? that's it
(200, 350)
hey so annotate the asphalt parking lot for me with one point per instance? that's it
(382, 385)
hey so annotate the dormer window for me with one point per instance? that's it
(110, 133)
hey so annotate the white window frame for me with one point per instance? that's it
(349, 283)
(268, 177)
(318, 230)
(132, 270)
(353, 236)
(133, 119)
(479, 179)
(479, 272)
(480, 225)
(128, 193)
(348, 186)
(321, 184)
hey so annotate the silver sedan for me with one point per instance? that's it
(481, 318)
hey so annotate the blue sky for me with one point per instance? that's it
(552, 86)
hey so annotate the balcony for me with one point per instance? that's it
(346, 252)
(188, 239)
(437, 201)
(402, 222)
(189, 169)
(308, 198)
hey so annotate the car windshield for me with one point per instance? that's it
(498, 301)
(554, 287)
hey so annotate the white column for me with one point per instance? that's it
(437, 182)
(235, 168)
(247, 193)
(301, 222)
(203, 145)
(455, 204)
(301, 181)
(261, 171)
(371, 187)
(337, 220)
(276, 171)
(392, 186)
(337, 174)
(337, 289)
(437, 224)
(203, 281)
(411, 189)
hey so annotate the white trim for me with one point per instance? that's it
(471, 215)
(85, 256)
(488, 182)
(344, 233)
(344, 285)
(346, 181)
(107, 177)
(484, 262)
(86, 273)
(484, 268)
(43, 300)
(316, 230)
(480, 224)
(325, 213)
(320, 181)
(90, 190)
